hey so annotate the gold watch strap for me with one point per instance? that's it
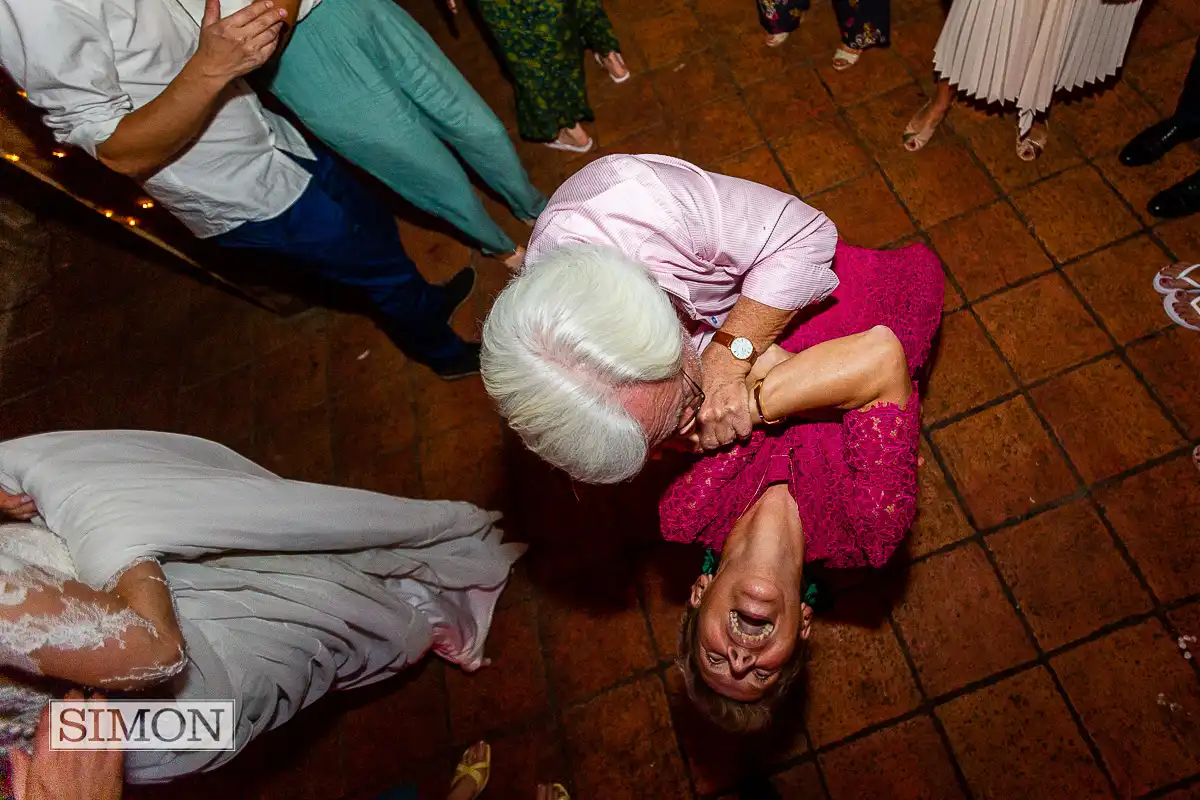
(726, 339)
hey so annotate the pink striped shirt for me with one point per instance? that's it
(708, 239)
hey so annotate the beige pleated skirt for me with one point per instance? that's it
(1022, 51)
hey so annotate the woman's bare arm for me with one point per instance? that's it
(852, 372)
(128, 638)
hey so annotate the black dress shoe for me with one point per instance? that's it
(1153, 143)
(458, 289)
(1178, 201)
(463, 366)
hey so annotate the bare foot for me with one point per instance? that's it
(576, 136)
(514, 260)
(615, 66)
(1184, 309)
(776, 39)
(1180, 276)
(470, 777)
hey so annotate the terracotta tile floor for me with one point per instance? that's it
(1026, 645)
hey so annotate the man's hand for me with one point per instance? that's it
(241, 43)
(65, 774)
(17, 506)
(725, 415)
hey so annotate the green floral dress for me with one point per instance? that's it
(543, 43)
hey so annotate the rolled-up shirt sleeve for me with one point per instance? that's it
(62, 56)
(787, 244)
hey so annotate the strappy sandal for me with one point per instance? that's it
(1177, 302)
(1031, 146)
(1183, 276)
(917, 137)
(776, 39)
(478, 771)
(553, 791)
(616, 61)
(845, 58)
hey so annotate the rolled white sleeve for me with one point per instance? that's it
(788, 245)
(61, 55)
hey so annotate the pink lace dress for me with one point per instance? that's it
(854, 479)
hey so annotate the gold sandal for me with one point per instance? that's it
(478, 771)
(917, 137)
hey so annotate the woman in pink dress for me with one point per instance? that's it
(835, 483)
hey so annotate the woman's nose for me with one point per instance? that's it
(740, 660)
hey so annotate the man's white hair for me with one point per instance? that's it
(561, 342)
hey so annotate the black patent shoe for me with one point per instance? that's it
(1179, 200)
(1153, 143)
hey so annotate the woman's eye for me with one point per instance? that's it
(713, 660)
(762, 676)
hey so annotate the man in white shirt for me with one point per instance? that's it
(145, 90)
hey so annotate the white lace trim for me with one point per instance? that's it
(79, 626)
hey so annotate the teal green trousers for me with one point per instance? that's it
(366, 79)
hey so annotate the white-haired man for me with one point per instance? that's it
(650, 289)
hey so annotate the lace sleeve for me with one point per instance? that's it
(880, 448)
(703, 504)
(55, 626)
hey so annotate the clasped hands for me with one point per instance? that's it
(728, 413)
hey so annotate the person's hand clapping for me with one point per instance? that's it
(240, 43)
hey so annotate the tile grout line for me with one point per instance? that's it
(640, 593)
(939, 729)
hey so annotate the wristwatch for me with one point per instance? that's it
(741, 347)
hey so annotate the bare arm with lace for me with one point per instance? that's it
(867, 376)
(126, 638)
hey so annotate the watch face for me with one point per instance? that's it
(741, 348)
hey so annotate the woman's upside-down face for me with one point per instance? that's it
(747, 630)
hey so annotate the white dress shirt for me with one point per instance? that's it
(88, 63)
(196, 8)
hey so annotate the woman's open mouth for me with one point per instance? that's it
(749, 627)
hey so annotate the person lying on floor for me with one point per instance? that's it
(164, 562)
(830, 476)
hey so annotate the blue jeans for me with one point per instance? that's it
(339, 232)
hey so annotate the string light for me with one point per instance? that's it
(144, 203)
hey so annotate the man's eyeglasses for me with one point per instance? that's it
(687, 414)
